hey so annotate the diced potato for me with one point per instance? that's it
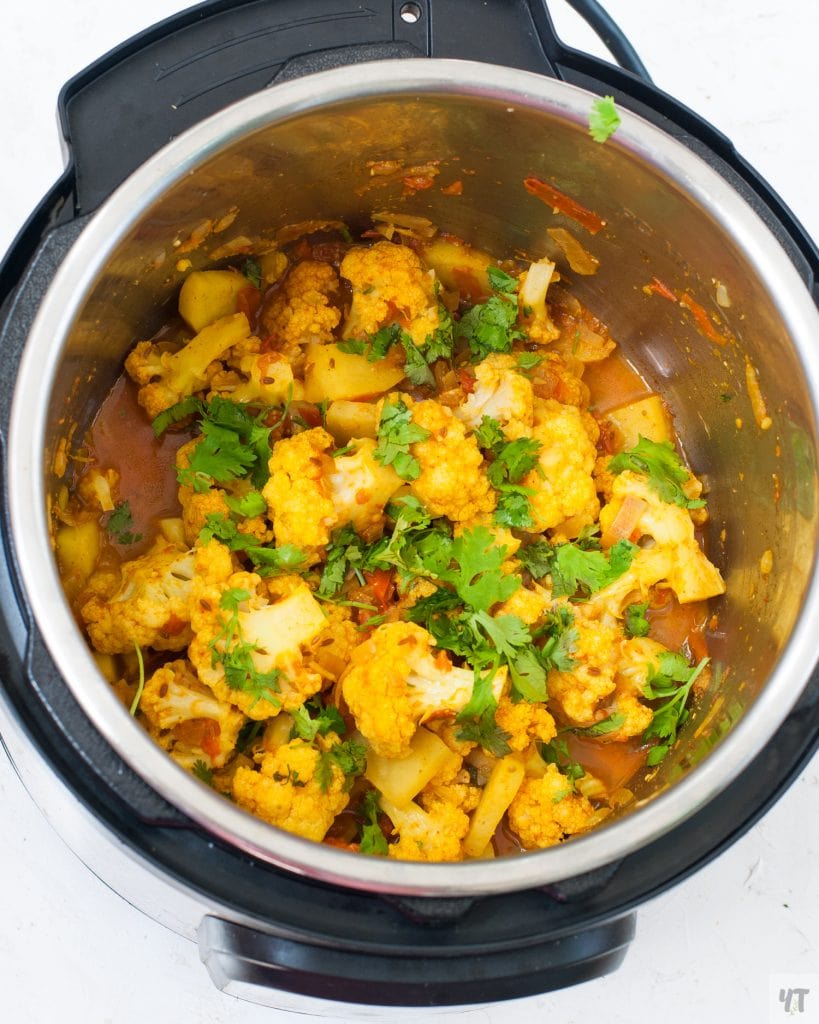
(499, 792)
(401, 779)
(459, 268)
(646, 417)
(348, 420)
(332, 374)
(173, 530)
(277, 732)
(533, 763)
(78, 549)
(208, 295)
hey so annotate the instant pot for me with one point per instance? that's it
(274, 915)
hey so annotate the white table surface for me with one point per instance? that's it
(716, 948)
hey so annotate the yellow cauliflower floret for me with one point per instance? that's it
(689, 573)
(451, 786)
(525, 722)
(304, 310)
(389, 286)
(263, 377)
(528, 605)
(452, 482)
(639, 657)
(187, 719)
(562, 482)
(149, 604)
(360, 487)
(434, 834)
(286, 791)
(558, 377)
(329, 653)
(596, 654)
(298, 494)
(165, 378)
(501, 392)
(277, 634)
(547, 810)
(534, 283)
(394, 684)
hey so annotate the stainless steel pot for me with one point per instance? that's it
(300, 151)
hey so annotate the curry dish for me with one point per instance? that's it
(384, 541)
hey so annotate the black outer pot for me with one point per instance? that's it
(297, 935)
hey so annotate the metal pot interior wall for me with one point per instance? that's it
(315, 165)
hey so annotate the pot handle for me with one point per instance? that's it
(124, 107)
(259, 966)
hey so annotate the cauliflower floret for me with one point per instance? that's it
(562, 483)
(309, 493)
(639, 657)
(273, 635)
(546, 810)
(525, 722)
(389, 286)
(394, 684)
(596, 655)
(534, 283)
(528, 605)
(329, 654)
(502, 393)
(97, 488)
(452, 482)
(360, 487)
(265, 377)
(689, 573)
(287, 790)
(298, 494)
(451, 786)
(165, 378)
(558, 377)
(304, 309)
(186, 719)
(148, 605)
(434, 834)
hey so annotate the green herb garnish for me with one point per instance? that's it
(603, 119)
(666, 472)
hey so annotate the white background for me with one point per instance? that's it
(714, 949)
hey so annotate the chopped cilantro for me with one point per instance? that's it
(603, 119)
(573, 568)
(249, 505)
(396, 432)
(230, 649)
(477, 720)
(202, 770)
(253, 272)
(671, 683)
(120, 525)
(440, 343)
(349, 756)
(604, 726)
(529, 360)
(327, 719)
(346, 550)
(557, 753)
(666, 472)
(636, 623)
(511, 461)
(372, 838)
(490, 326)
(267, 561)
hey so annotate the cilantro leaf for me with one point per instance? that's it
(327, 719)
(603, 119)
(346, 550)
(440, 343)
(120, 525)
(479, 579)
(349, 756)
(175, 414)
(202, 770)
(490, 326)
(477, 720)
(253, 272)
(666, 472)
(669, 716)
(636, 623)
(267, 561)
(529, 360)
(500, 281)
(604, 726)
(249, 505)
(538, 558)
(511, 461)
(588, 571)
(557, 753)
(353, 346)
(396, 432)
(372, 838)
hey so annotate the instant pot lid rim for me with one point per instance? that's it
(56, 318)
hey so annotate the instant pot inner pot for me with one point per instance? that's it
(314, 165)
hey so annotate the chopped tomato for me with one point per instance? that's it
(382, 584)
(562, 203)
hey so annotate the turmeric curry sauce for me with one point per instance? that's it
(384, 542)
